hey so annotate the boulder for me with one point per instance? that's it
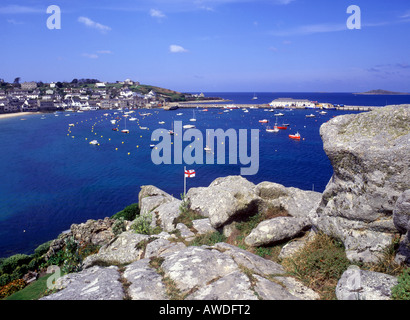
(166, 213)
(356, 284)
(203, 226)
(370, 155)
(151, 197)
(297, 202)
(401, 218)
(96, 232)
(123, 250)
(224, 200)
(276, 230)
(96, 283)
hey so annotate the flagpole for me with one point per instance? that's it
(184, 182)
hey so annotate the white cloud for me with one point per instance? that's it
(156, 13)
(90, 55)
(176, 49)
(104, 52)
(16, 9)
(92, 24)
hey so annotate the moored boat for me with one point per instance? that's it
(295, 136)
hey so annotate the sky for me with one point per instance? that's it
(211, 45)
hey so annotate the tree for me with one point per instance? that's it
(17, 81)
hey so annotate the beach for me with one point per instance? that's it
(17, 114)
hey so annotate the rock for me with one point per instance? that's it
(144, 282)
(370, 155)
(275, 230)
(185, 232)
(224, 200)
(269, 290)
(150, 197)
(30, 277)
(401, 212)
(289, 249)
(297, 202)
(233, 286)
(166, 213)
(162, 247)
(194, 267)
(95, 283)
(297, 289)
(203, 226)
(96, 232)
(123, 250)
(250, 261)
(356, 284)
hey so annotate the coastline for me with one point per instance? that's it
(16, 114)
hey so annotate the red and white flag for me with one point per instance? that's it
(189, 173)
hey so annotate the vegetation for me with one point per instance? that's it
(402, 290)
(129, 213)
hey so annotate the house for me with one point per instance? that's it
(46, 105)
(28, 85)
(100, 85)
(290, 102)
(29, 106)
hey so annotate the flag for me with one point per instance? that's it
(189, 173)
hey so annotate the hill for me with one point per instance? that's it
(382, 92)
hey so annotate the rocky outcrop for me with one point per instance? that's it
(370, 155)
(401, 218)
(356, 284)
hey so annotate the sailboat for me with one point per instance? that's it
(254, 97)
(275, 128)
(208, 148)
(193, 118)
(171, 132)
(125, 130)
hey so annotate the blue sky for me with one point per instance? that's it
(211, 45)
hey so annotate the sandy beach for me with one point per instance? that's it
(17, 114)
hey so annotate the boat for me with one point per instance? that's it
(113, 121)
(282, 127)
(275, 129)
(208, 148)
(125, 130)
(193, 119)
(94, 142)
(179, 114)
(152, 145)
(323, 112)
(310, 115)
(171, 132)
(161, 122)
(143, 128)
(255, 97)
(188, 126)
(132, 119)
(114, 129)
(295, 136)
(263, 121)
(279, 114)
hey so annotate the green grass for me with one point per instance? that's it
(33, 291)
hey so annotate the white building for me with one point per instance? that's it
(290, 102)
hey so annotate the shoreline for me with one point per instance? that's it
(16, 114)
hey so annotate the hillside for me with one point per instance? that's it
(382, 92)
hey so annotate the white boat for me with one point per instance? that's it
(279, 114)
(94, 142)
(113, 121)
(323, 112)
(310, 115)
(152, 145)
(255, 97)
(143, 128)
(188, 126)
(125, 130)
(193, 119)
(71, 125)
(161, 122)
(208, 148)
(132, 119)
(179, 114)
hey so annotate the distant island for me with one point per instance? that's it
(382, 92)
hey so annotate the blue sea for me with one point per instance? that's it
(51, 177)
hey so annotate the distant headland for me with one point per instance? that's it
(382, 92)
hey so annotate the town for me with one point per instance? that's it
(85, 94)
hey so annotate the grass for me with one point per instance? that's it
(33, 291)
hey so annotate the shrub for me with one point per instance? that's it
(11, 263)
(402, 290)
(128, 213)
(319, 265)
(118, 226)
(42, 249)
(142, 225)
(209, 239)
(11, 288)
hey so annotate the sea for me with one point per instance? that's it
(52, 177)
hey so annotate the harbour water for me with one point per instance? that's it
(51, 177)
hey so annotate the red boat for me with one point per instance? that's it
(282, 127)
(114, 129)
(295, 136)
